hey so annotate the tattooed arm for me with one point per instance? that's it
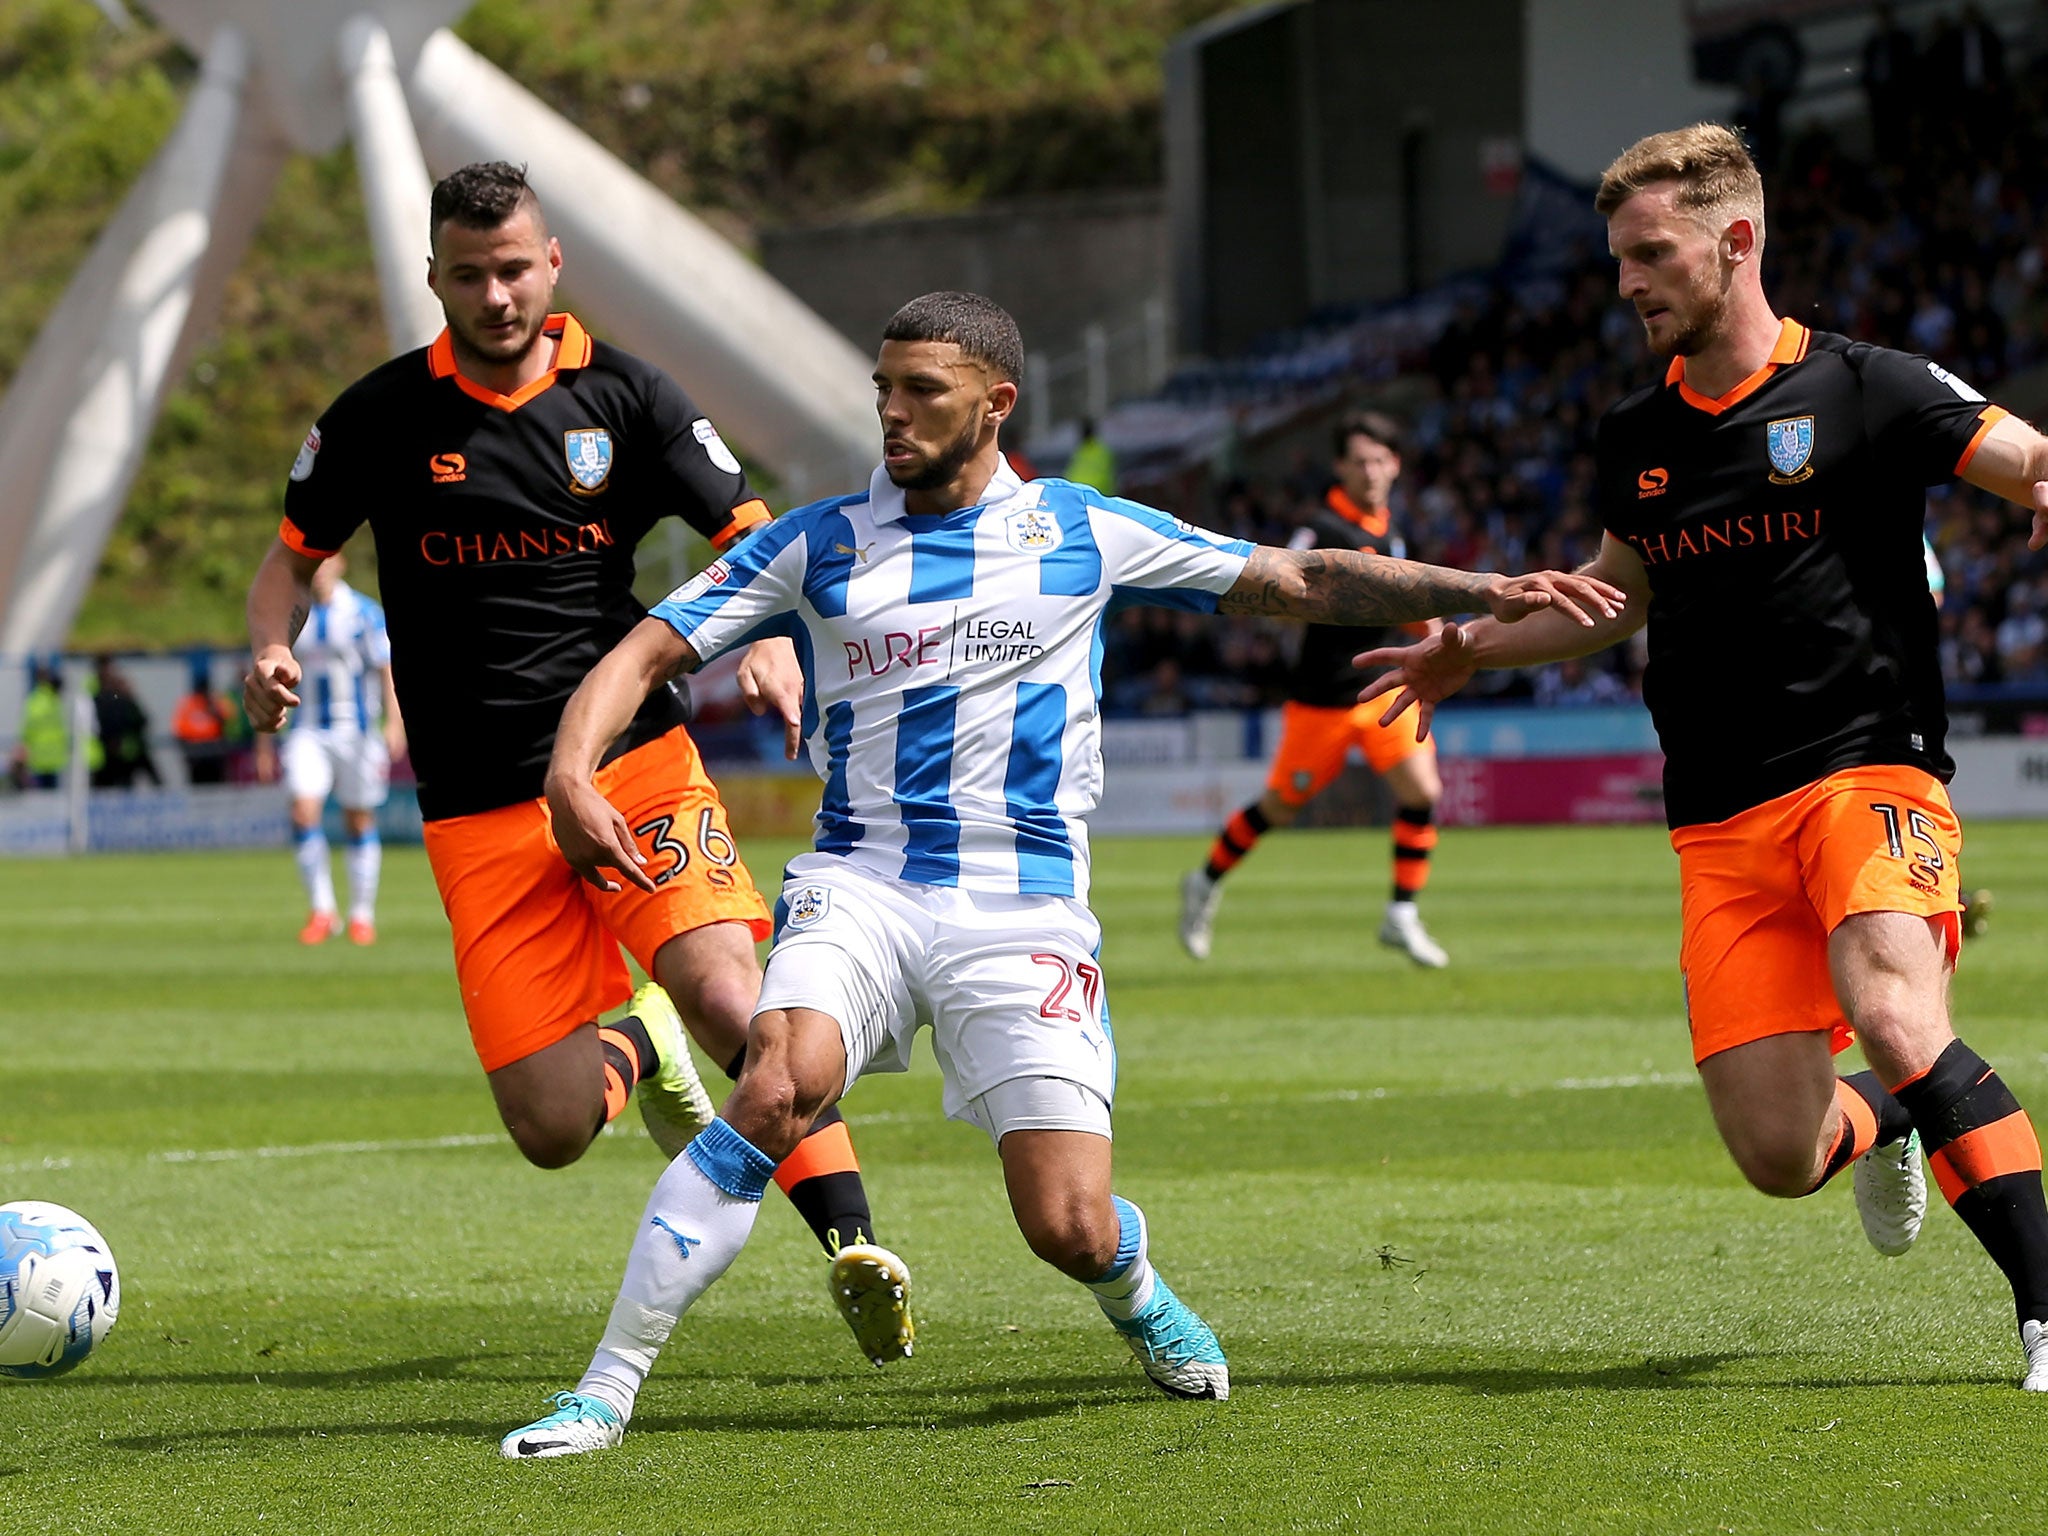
(1341, 586)
(280, 598)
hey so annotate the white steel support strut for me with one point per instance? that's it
(396, 188)
(136, 301)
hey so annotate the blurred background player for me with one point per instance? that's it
(342, 741)
(1323, 720)
(1762, 505)
(508, 472)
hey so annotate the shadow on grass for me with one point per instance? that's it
(430, 1368)
(909, 1405)
(900, 1411)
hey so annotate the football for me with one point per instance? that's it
(59, 1289)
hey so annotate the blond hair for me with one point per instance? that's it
(1715, 177)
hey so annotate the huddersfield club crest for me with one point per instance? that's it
(1032, 531)
(807, 904)
(589, 451)
(1790, 444)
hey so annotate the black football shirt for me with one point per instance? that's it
(1791, 631)
(1322, 674)
(505, 530)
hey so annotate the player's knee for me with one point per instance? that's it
(549, 1144)
(717, 1008)
(1785, 1171)
(1074, 1242)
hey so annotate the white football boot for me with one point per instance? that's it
(871, 1288)
(1179, 1352)
(1199, 898)
(577, 1425)
(1891, 1195)
(2034, 1339)
(673, 1104)
(1402, 929)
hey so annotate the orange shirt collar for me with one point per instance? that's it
(1793, 340)
(1373, 520)
(573, 351)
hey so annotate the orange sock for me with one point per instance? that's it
(828, 1149)
(622, 1068)
(822, 1179)
(1414, 838)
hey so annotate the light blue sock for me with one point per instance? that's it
(1125, 1288)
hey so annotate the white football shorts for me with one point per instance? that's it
(1009, 984)
(354, 765)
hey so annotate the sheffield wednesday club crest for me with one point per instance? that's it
(1790, 445)
(589, 452)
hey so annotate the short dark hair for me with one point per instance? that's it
(482, 195)
(978, 326)
(1375, 425)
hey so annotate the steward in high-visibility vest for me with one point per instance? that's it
(45, 734)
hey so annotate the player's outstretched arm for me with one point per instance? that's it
(1422, 676)
(588, 829)
(1342, 586)
(280, 598)
(772, 681)
(2012, 462)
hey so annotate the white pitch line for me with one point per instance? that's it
(325, 1149)
(882, 1117)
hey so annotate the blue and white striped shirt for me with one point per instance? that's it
(342, 647)
(953, 664)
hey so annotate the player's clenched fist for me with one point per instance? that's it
(267, 688)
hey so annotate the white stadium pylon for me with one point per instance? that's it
(282, 74)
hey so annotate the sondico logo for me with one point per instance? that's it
(448, 468)
(1652, 482)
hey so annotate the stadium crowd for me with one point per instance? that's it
(1937, 245)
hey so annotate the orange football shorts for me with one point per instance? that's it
(1314, 742)
(1763, 890)
(536, 949)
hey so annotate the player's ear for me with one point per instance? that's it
(434, 276)
(1738, 240)
(1002, 400)
(554, 256)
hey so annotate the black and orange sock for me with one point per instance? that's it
(1414, 837)
(1236, 840)
(822, 1179)
(628, 1057)
(1870, 1117)
(1987, 1160)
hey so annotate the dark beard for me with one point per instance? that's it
(1705, 325)
(943, 469)
(467, 344)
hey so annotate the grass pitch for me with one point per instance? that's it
(1477, 1257)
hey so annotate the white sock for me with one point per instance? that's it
(365, 864)
(1126, 1288)
(694, 1226)
(313, 871)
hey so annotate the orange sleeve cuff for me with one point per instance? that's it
(288, 533)
(746, 517)
(1991, 417)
